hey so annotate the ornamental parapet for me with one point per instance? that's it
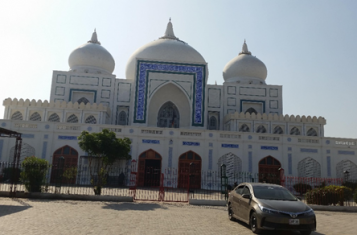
(57, 104)
(274, 117)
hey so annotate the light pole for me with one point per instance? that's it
(346, 173)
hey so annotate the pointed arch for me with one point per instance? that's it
(309, 167)
(26, 151)
(72, 119)
(70, 159)
(346, 165)
(294, 131)
(149, 168)
(278, 130)
(168, 116)
(311, 132)
(83, 100)
(233, 164)
(244, 128)
(54, 118)
(36, 117)
(17, 116)
(261, 129)
(269, 170)
(251, 111)
(91, 120)
(122, 118)
(190, 165)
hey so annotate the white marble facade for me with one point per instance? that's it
(165, 104)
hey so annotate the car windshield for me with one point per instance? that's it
(272, 193)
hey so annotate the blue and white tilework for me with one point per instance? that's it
(250, 137)
(290, 164)
(250, 161)
(328, 161)
(210, 135)
(250, 146)
(131, 131)
(150, 141)
(171, 132)
(29, 136)
(190, 143)
(289, 139)
(45, 136)
(210, 145)
(142, 80)
(89, 128)
(47, 126)
(65, 137)
(327, 142)
(170, 157)
(346, 152)
(3, 124)
(269, 147)
(289, 148)
(230, 146)
(210, 156)
(44, 150)
(1, 146)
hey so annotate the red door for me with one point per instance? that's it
(70, 160)
(269, 170)
(149, 169)
(190, 169)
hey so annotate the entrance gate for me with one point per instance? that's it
(269, 170)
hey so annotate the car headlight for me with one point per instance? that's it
(267, 210)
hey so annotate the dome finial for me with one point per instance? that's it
(94, 38)
(245, 49)
(169, 33)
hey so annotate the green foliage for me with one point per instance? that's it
(8, 174)
(33, 173)
(104, 148)
(350, 184)
(302, 188)
(70, 174)
(329, 195)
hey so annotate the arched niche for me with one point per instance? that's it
(309, 167)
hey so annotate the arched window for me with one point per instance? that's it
(311, 132)
(294, 131)
(278, 130)
(244, 128)
(122, 118)
(91, 120)
(35, 117)
(213, 123)
(168, 116)
(83, 100)
(261, 129)
(309, 167)
(17, 116)
(72, 119)
(251, 111)
(54, 118)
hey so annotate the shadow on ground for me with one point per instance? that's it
(133, 206)
(278, 232)
(11, 209)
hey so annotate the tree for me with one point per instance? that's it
(33, 173)
(104, 149)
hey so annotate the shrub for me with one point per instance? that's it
(302, 188)
(350, 184)
(33, 173)
(329, 195)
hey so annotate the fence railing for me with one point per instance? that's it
(79, 180)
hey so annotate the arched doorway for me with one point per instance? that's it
(269, 170)
(149, 169)
(70, 156)
(168, 116)
(190, 167)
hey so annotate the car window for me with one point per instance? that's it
(273, 193)
(239, 190)
(246, 191)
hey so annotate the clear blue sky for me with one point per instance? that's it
(309, 47)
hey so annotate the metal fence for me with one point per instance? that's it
(212, 185)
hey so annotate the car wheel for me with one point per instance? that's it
(254, 223)
(305, 232)
(230, 213)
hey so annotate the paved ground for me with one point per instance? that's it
(24, 216)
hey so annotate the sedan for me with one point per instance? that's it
(270, 207)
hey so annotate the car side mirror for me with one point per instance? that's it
(246, 196)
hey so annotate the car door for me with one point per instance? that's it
(236, 199)
(244, 204)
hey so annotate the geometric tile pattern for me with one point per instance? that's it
(91, 120)
(72, 119)
(17, 116)
(233, 164)
(294, 131)
(26, 151)
(54, 118)
(311, 132)
(346, 165)
(35, 117)
(309, 167)
(144, 67)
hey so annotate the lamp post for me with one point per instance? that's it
(346, 173)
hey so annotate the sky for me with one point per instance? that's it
(309, 47)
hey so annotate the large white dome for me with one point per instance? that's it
(166, 49)
(245, 68)
(91, 57)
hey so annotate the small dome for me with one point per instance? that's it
(166, 49)
(91, 57)
(245, 68)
